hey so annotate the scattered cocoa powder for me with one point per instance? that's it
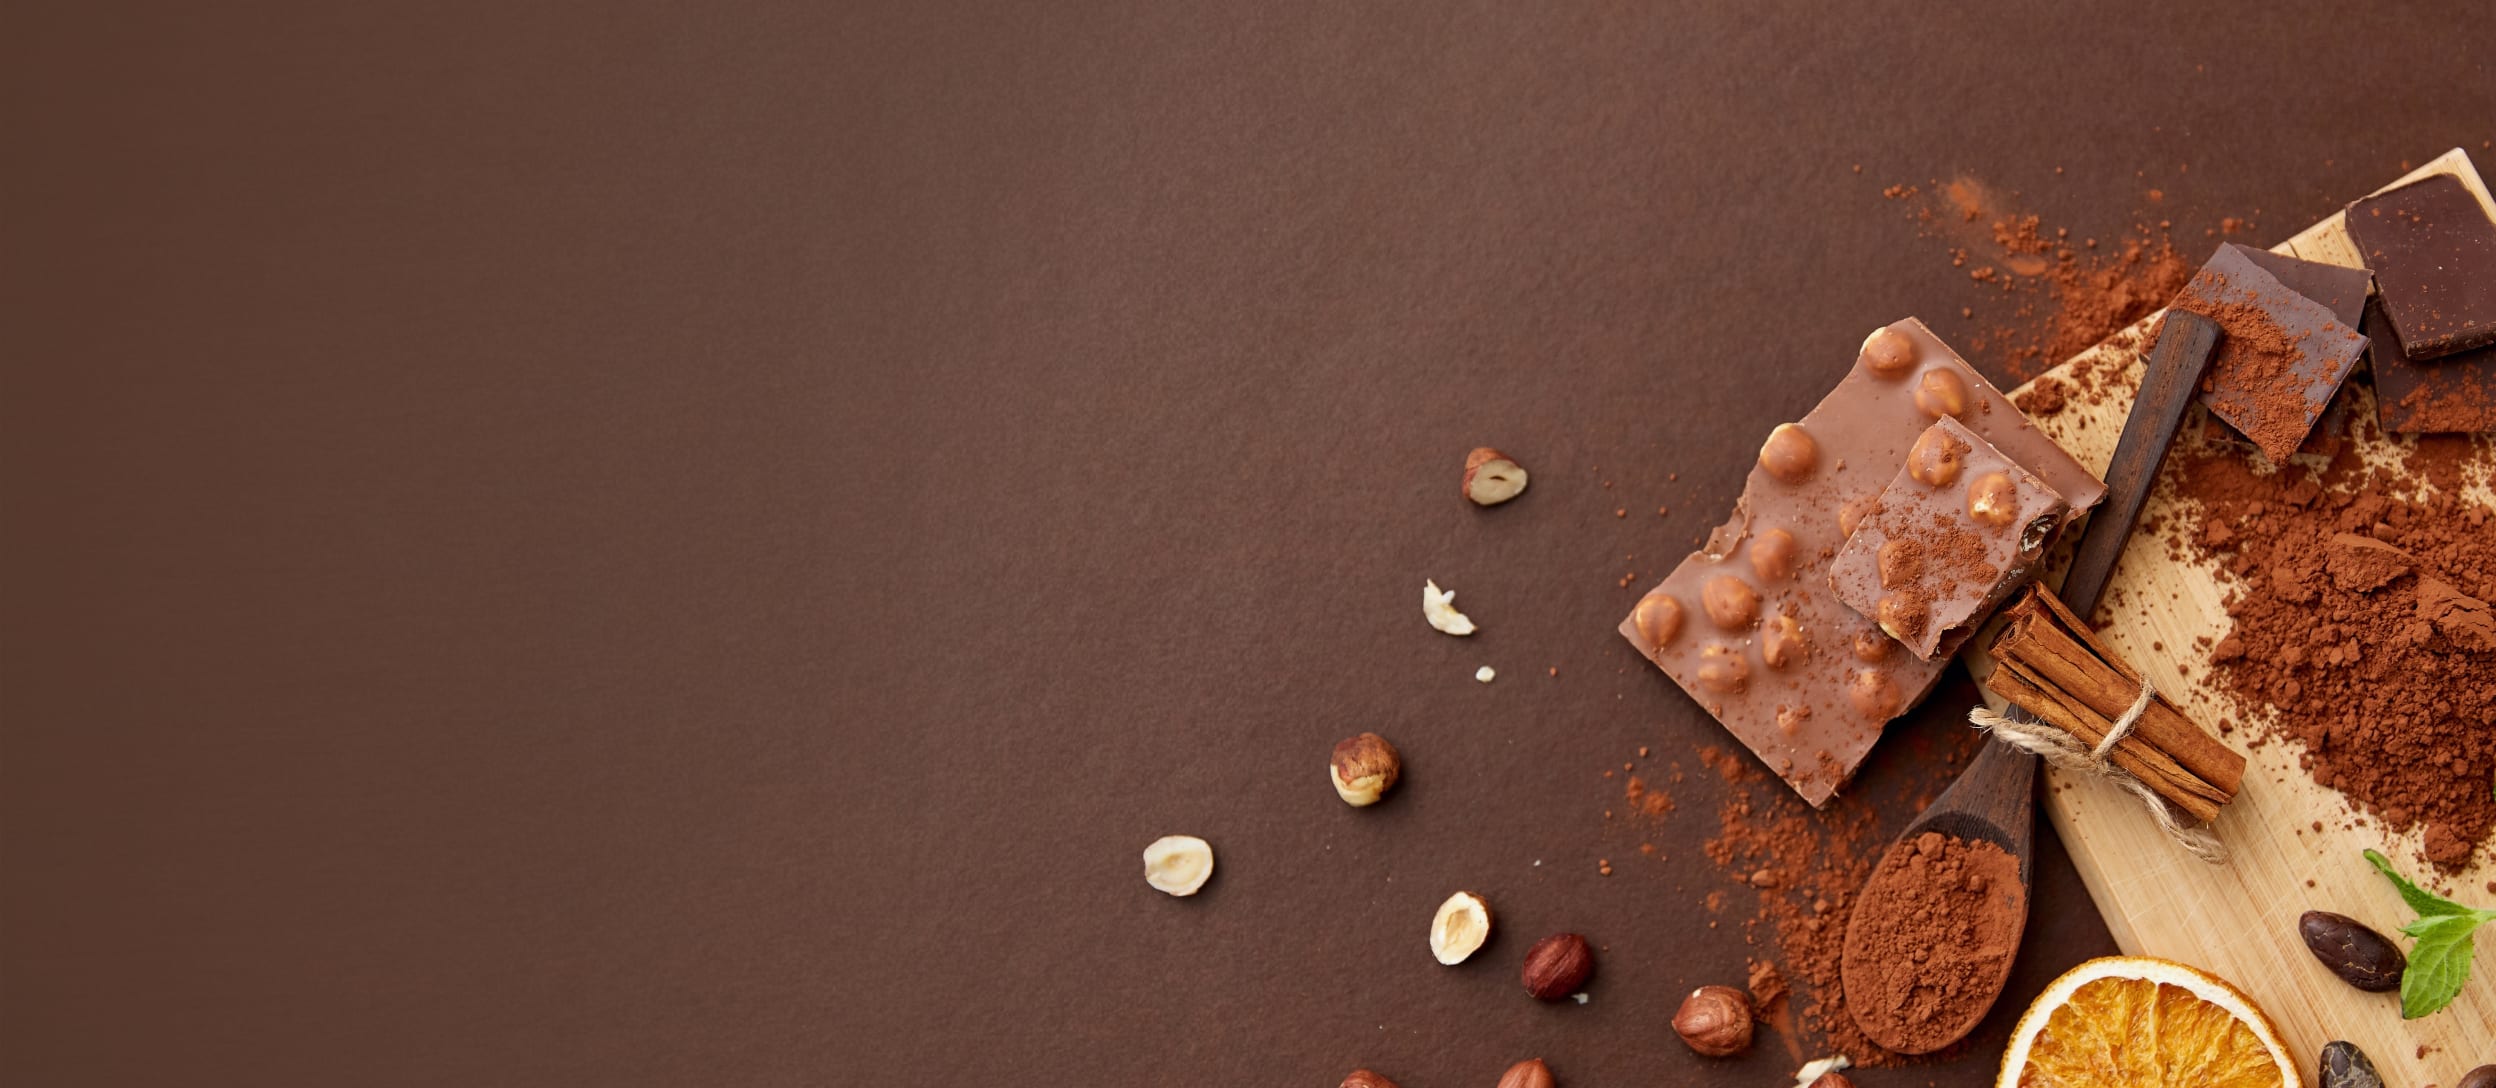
(1931, 939)
(2360, 625)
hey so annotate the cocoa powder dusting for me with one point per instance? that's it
(1932, 938)
(2361, 631)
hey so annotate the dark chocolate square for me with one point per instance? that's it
(2433, 251)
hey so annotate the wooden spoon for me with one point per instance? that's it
(1994, 800)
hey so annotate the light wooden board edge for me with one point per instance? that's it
(2239, 921)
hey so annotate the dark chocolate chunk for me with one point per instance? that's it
(2432, 246)
(1748, 625)
(2282, 355)
(2340, 290)
(2454, 394)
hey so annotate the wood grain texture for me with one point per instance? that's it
(2239, 920)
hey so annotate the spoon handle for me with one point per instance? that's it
(2186, 343)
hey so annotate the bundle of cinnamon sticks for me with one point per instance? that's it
(2050, 664)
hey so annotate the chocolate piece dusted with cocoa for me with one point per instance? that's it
(2340, 290)
(2452, 395)
(2281, 357)
(1748, 625)
(1958, 530)
(2432, 245)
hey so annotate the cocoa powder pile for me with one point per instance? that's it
(2361, 630)
(1932, 936)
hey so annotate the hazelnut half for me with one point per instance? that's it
(1178, 864)
(1367, 1078)
(1530, 1073)
(1459, 928)
(1715, 1021)
(1558, 966)
(1492, 477)
(1363, 768)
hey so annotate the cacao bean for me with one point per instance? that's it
(2360, 956)
(2345, 1066)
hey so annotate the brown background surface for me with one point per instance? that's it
(627, 543)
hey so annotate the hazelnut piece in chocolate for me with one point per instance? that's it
(1730, 601)
(1871, 646)
(1992, 499)
(1790, 719)
(1941, 393)
(1873, 693)
(1903, 615)
(1781, 641)
(1937, 457)
(1853, 513)
(1721, 668)
(1901, 563)
(1888, 352)
(1658, 618)
(1789, 454)
(1772, 555)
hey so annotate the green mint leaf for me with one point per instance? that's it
(2426, 903)
(2438, 964)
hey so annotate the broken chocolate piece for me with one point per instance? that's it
(2433, 248)
(1946, 548)
(2281, 359)
(1766, 647)
(2454, 394)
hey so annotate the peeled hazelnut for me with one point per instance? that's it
(1853, 513)
(1491, 477)
(1900, 563)
(1873, 694)
(1178, 864)
(1888, 352)
(1722, 669)
(1781, 641)
(1831, 1080)
(1658, 618)
(1903, 616)
(1772, 555)
(1459, 928)
(1715, 1021)
(1871, 646)
(1993, 499)
(1365, 1078)
(1937, 456)
(1363, 768)
(1789, 454)
(1941, 393)
(1530, 1073)
(1558, 966)
(1730, 602)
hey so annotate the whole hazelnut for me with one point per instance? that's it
(1364, 768)
(1937, 456)
(1941, 393)
(1888, 352)
(1730, 601)
(1530, 1073)
(2481, 1077)
(1831, 1080)
(1658, 618)
(1715, 1021)
(1790, 453)
(1367, 1078)
(1993, 499)
(1558, 966)
(1772, 555)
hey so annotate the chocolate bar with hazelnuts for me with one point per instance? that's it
(1750, 626)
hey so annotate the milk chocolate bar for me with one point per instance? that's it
(1749, 626)
(1955, 532)
(2433, 249)
(2283, 355)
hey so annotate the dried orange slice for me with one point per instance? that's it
(2137, 1022)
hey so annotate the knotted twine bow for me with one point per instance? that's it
(2065, 751)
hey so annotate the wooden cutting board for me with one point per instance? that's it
(2239, 921)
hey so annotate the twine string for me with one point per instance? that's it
(2066, 752)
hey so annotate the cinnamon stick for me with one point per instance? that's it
(2050, 664)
